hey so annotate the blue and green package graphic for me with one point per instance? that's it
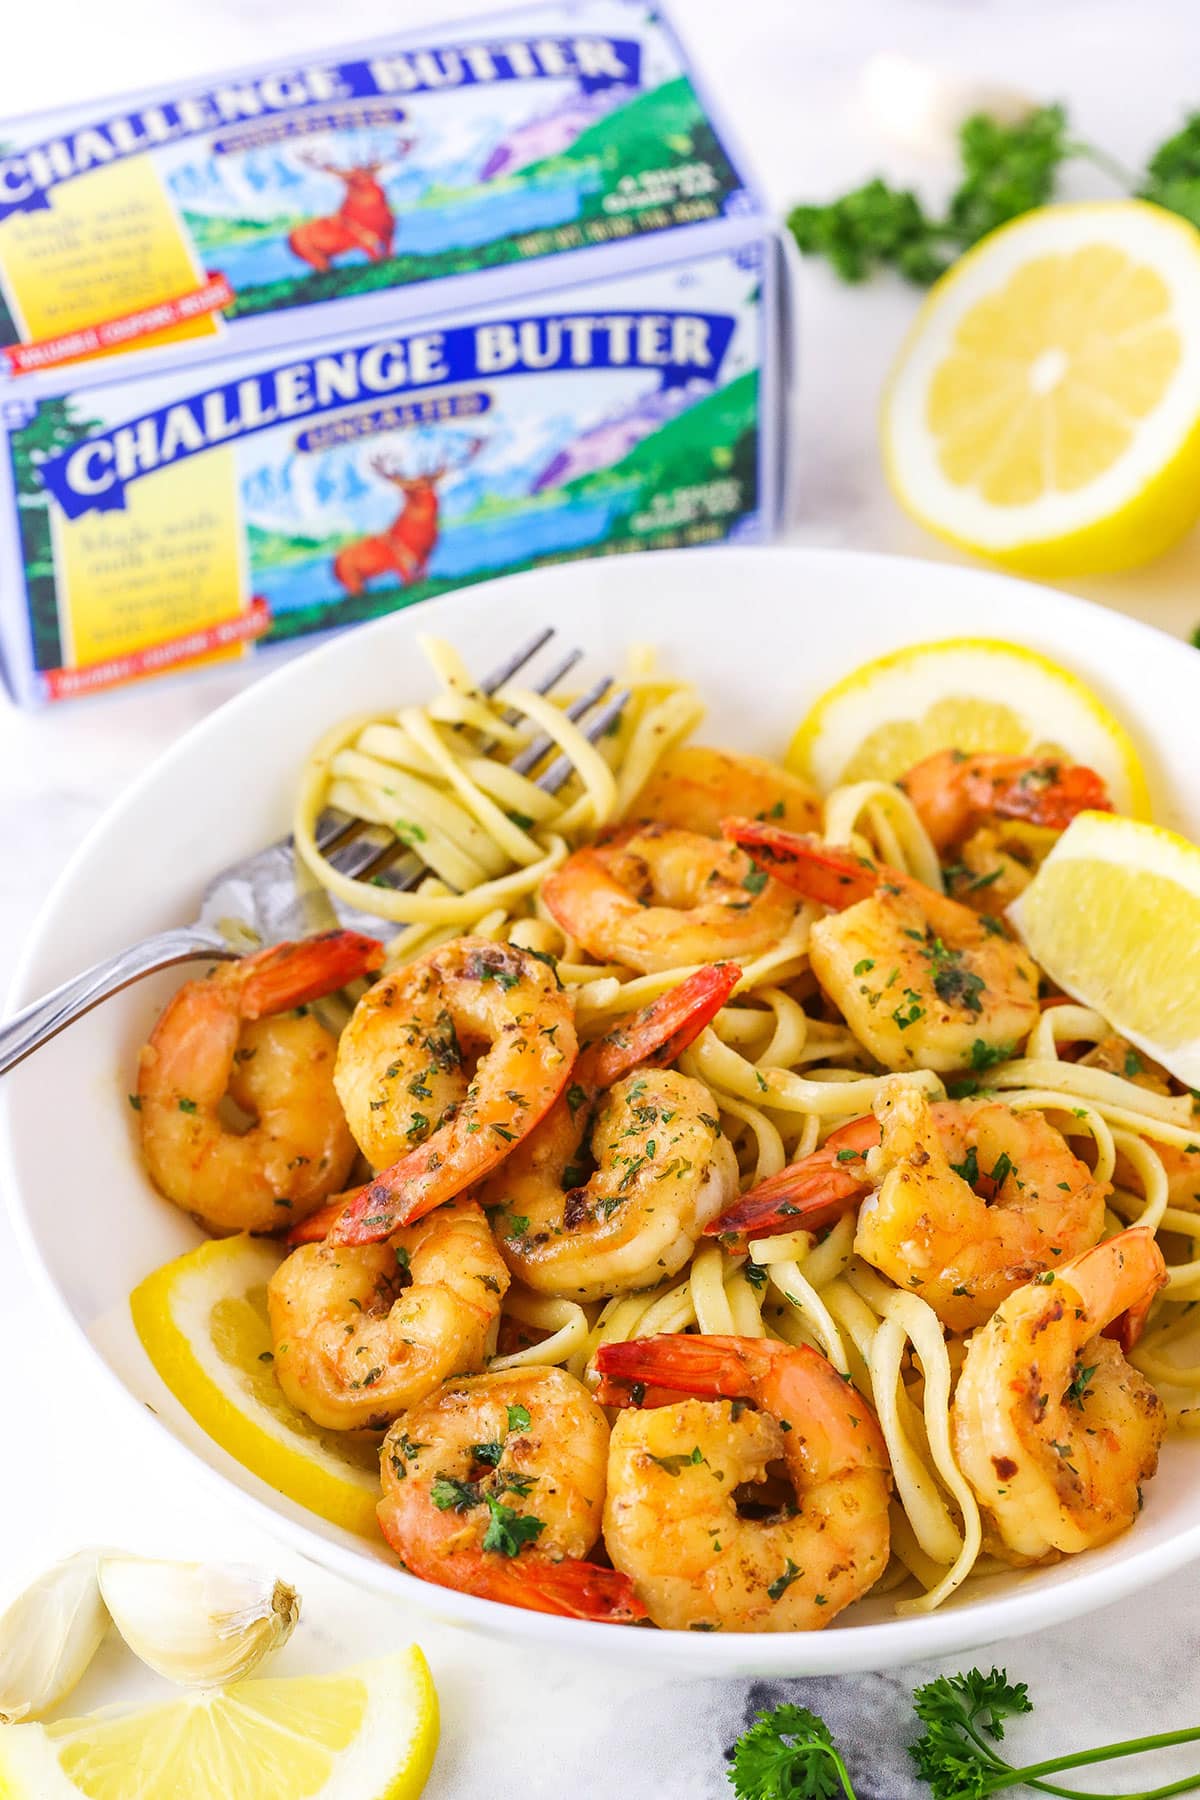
(201, 216)
(198, 511)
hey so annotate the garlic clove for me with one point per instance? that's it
(199, 1624)
(920, 107)
(48, 1637)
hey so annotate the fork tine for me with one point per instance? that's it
(532, 755)
(517, 660)
(338, 832)
(560, 769)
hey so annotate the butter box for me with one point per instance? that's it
(217, 216)
(302, 469)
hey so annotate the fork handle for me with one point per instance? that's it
(43, 1019)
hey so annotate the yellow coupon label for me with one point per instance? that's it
(170, 562)
(108, 244)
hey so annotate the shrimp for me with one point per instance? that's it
(495, 1486)
(403, 1075)
(695, 788)
(965, 1201)
(1054, 1430)
(954, 792)
(654, 897)
(922, 981)
(659, 1166)
(221, 1036)
(361, 1332)
(675, 1518)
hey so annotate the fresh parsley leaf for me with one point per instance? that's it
(449, 1494)
(875, 227)
(789, 1754)
(518, 1418)
(509, 1531)
(986, 1056)
(1172, 176)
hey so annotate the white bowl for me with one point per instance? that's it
(762, 632)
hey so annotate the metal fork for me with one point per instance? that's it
(258, 901)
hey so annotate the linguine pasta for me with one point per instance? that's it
(783, 1074)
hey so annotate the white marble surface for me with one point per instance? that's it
(787, 70)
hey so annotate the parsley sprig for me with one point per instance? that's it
(1006, 170)
(790, 1754)
(954, 1756)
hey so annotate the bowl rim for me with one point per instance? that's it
(839, 1648)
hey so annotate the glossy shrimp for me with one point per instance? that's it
(611, 1193)
(234, 1034)
(655, 897)
(694, 788)
(955, 793)
(1054, 1430)
(960, 1202)
(362, 1331)
(495, 1486)
(922, 981)
(681, 1518)
(442, 1069)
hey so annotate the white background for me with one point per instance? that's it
(787, 73)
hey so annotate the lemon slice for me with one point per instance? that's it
(203, 1322)
(369, 1733)
(1045, 409)
(975, 694)
(1113, 916)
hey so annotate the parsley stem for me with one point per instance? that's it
(1124, 178)
(843, 1773)
(1080, 1759)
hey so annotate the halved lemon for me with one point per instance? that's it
(369, 1733)
(203, 1322)
(975, 694)
(1113, 916)
(1045, 409)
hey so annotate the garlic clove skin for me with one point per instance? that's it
(198, 1624)
(48, 1637)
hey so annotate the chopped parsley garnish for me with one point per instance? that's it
(779, 1587)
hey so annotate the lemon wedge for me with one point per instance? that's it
(1045, 409)
(203, 1322)
(974, 694)
(369, 1733)
(1113, 916)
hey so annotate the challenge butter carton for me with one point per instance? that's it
(483, 301)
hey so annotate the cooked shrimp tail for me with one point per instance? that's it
(316, 1228)
(953, 793)
(292, 974)
(569, 1589)
(660, 1032)
(806, 1196)
(1142, 1273)
(820, 871)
